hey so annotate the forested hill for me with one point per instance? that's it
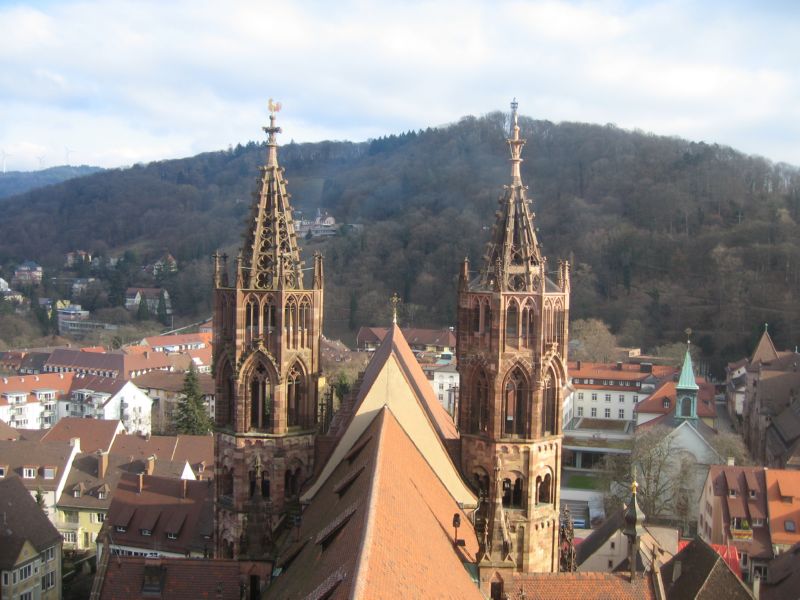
(19, 182)
(663, 234)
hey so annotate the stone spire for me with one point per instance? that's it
(270, 257)
(633, 521)
(513, 259)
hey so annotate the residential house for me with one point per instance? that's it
(444, 379)
(116, 364)
(195, 450)
(31, 401)
(91, 484)
(72, 259)
(152, 296)
(735, 388)
(80, 285)
(734, 511)
(439, 341)
(700, 573)
(28, 273)
(42, 467)
(33, 363)
(10, 361)
(610, 390)
(160, 517)
(165, 389)
(3, 285)
(108, 398)
(178, 342)
(663, 402)
(30, 547)
(165, 265)
(783, 577)
(783, 507)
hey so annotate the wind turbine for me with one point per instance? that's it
(5, 155)
(67, 152)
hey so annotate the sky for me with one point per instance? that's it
(112, 83)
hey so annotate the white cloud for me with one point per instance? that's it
(129, 81)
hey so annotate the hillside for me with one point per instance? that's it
(663, 233)
(19, 182)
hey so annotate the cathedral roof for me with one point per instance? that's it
(380, 526)
(270, 258)
(393, 378)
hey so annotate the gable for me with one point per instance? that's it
(390, 387)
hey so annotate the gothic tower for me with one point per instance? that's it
(267, 328)
(512, 356)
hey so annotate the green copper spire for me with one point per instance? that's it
(686, 381)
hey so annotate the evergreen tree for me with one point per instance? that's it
(162, 310)
(143, 312)
(191, 416)
(54, 318)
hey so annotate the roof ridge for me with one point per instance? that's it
(365, 547)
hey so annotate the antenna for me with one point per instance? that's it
(4, 156)
(41, 162)
(67, 152)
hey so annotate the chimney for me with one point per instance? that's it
(75, 443)
(141, 482)
(184, 485)
(151, 464)
(146, 354)
(731, 461)
(676, 571)
(102, 464)
(619, 365)
(579, 365)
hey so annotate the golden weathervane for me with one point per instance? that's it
(274, 107)
(395, 300)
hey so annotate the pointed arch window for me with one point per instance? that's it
(528, 325)
(549, 416)
(290, 323)
(545, 490)
(686, 406)
(260, 389)
(512, 324)
(296, 397)
(475, 314)
(252, 319)
(268, 320)
(304, 321)
(479, 409)
(515, 399)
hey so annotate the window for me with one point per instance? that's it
(758, 522)
(5, 578)
(621, 413)
(26, 596)
(70, 516)
(607, 413)
(594, 411)
(744, 558)
(594, 397)
(2, 472)
(29, 473)
(580, 411)
(49, 580)
(49, 472)
(666, 403)
(732, 493)
(752, 493)
(610, 564)
(25, 572)
(49, 554)
(789, 525)
(580, 395)
(172, 536)
(613, 545)
(99, 517)
(622, 397)
(146, 531)
(101, 495)
(608, 397)
(120, 529)
(635, 399)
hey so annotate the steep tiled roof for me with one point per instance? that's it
(177, 339)
(96, 384)
(95, 434)
(194, 449)
(667, 391)
(783, 576)
(586, 586)
(157, 508)
(182, 578)
(698, 572)
(19, 454)
(380, 527)
(7, 432)
(765, 351)
(598, 537)
(783, 484)
(23, 521)
(617, 372)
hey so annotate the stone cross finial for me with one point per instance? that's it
(394, 300)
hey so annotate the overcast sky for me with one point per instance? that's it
(117, 83)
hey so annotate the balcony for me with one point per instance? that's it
(740, 529)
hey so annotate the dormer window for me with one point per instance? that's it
(29, 472)
(49, 472)
(146, 532)
(790, 526)
(3, 471)
(120, 529)
(101, 495)
(172, 536)
(752, 493)
(666, 403)
(732, 493)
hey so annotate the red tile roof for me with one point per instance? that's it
(586, 586)
(783, 484)
(28, 384)
(182, 578)
(95, 434)
(654, 403)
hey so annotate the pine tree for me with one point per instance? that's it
(143, 312)
(162, 310)
(191, 416)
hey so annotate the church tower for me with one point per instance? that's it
(512, 356)
(267, 329)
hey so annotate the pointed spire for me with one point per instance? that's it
(513, 259)
(394, 300)
(765, 351)
(687, 381)
(271, 258)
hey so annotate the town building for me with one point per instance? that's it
(31, 401)
(155, 516)
(433, 341)
(177, 342)
(165, 265)
(95, 435)
(151, 296)
(42, 467)
(165, 389)
(196, 451)
(76, 258)
(117, 364)
(699, 572)
(27, 274)
(444, 380)
(93, 397)
(30, 547)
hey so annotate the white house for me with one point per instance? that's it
(30, 401)
(444, 380)
(106, 398)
